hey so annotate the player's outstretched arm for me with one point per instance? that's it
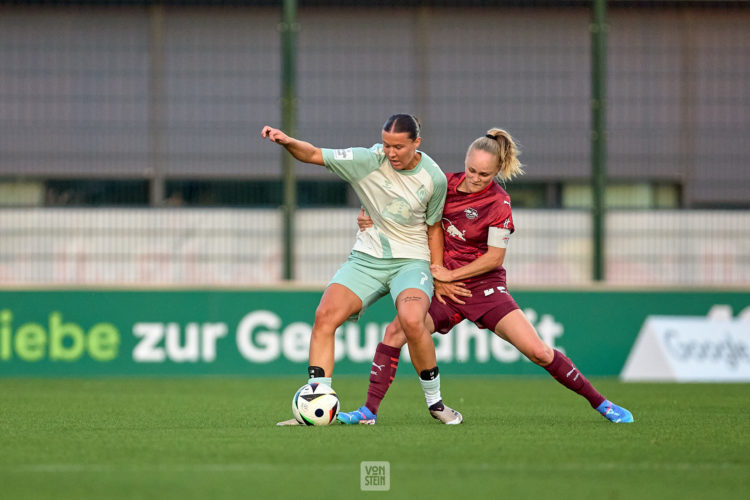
(301, 150)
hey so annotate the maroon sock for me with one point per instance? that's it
(565, 372)
(382, 371)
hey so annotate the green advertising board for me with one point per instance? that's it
(266, 332)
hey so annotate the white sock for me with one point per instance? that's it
(321, 380)
(431, 390)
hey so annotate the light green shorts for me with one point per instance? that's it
(372, 278)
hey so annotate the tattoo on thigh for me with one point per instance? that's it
(411, 298)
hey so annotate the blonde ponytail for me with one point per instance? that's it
(499, 143)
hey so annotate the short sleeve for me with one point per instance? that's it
(504, 218)
(436, 202)
(351, 164)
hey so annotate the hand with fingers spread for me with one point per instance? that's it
(451, 290)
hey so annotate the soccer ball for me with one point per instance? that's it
(315, 404)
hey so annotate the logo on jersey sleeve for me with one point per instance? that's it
(471, 213)
(343, 154)
(506, 223)
(453, 230)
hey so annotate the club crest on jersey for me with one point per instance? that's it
(471, 213)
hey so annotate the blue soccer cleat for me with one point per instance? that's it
(361, 416)
(614, 413)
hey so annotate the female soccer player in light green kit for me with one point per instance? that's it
(403, 190)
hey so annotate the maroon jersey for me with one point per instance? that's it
(467, 218)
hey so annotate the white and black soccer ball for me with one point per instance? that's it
(315, 404)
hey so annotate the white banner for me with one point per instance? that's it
(690, 349)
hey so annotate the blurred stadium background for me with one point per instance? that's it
(130, 151)
(149, 235)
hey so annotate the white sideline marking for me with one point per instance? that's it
(249, 467)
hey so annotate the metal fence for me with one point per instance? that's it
(130, 149)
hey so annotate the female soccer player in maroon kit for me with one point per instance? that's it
(477, 224)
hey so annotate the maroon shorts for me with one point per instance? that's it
(488, 304)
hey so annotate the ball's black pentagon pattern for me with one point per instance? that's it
(315, 404)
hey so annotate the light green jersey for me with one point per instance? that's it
(402, 203)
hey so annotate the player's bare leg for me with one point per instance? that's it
(412, 305)
(382, 373)
(409, 305)
(336, 306)
(516, 329)
(411, 309)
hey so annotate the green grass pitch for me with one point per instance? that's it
(214, 438)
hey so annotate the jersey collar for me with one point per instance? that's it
(461, 179)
